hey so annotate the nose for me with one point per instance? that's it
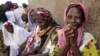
(73, 19)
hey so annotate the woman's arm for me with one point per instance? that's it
(67, 34)
(74, 47)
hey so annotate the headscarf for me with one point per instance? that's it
(15, 39)
(10, 16)
(9, 13)
(9, 5)
(43, 12)
(62, 41)
(30, 21)
(15, 5)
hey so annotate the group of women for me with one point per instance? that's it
(50, 39)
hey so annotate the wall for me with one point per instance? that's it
(57, 9)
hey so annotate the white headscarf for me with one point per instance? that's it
(10, 16)
(16, 39)
(18, 13)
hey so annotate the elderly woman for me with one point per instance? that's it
(44, 39)
(13, 36)
(73, 41)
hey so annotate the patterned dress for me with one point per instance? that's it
(87, 48)
(90, 49)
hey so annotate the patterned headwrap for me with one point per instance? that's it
(45, 13)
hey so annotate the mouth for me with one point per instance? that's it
(72, 26)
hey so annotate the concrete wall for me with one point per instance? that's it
(57, 9)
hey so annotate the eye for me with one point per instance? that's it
(77, 18)
(69, 17)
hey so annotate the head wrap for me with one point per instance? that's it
(14, 40)
(9, 5)
(43, 12)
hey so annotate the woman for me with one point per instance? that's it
(9, 13)
(13, 36)
(44, 39)
(73, 41)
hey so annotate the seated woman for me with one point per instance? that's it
(73, 40)
(13, 36)
(44, 38)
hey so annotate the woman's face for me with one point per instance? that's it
(10, 28)
(39, 20)
(74, 18)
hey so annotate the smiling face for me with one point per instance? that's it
(39, 20)
(74, 18)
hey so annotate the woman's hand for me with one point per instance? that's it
(71, 38)
(70, 35)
